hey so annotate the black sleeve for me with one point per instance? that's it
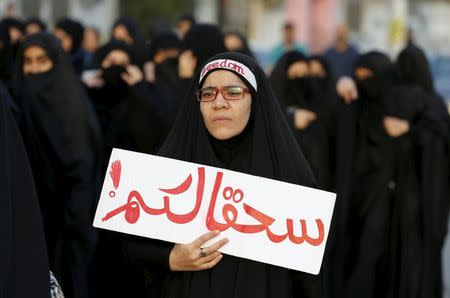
(148, 253)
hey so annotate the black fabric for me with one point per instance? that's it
(266, 148)
(24, 271)
(62, 139)
(162, 41)
(371, 173)
(112, 45)
(7, 54)
(204, 41)
(414, 71)
(75, 30)
(315, 95)
(245, 49)
(14, 23)
(139, 43)
(166, 92)
(390, 191)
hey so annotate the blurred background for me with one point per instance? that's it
(373, 24)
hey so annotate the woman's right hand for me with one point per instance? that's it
(187, 257)
(303, 118)
(186, 65)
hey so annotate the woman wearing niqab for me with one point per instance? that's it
(128, 114)
(61, 137)
(415, 75)
(299, 92)
(261, 145)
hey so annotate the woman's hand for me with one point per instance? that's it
(303, 118)
(133, 75)
(395, 127)
(347, 90)
(149, 72)
(191, 257)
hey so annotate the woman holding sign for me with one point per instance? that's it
(231, 120)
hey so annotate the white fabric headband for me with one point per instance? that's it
(232, 65)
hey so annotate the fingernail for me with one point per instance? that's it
(216, 232)
(226, 240)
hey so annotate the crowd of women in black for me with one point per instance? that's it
(385, 152)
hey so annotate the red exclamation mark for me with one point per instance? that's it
(115, 172)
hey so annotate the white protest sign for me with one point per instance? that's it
(265, 220)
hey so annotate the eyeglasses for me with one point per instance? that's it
(228, 92)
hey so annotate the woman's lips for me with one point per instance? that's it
(221, 119)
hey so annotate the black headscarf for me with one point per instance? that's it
(139, 46)
(112, 45)
(414, 70)
(6, 53)
(413, 67)
(23, 253)
(75, 30)
(162, 41)
(204, 41)
(291, 92)
(373, 87)
(9, 49)
(245, 49)
(14, 23)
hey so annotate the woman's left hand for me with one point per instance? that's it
(133, 75)
(395, 127)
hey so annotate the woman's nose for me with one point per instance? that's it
(220, 101)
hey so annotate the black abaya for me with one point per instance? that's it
(265, 148)
(414, 71)
(24, 270)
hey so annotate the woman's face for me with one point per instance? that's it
(36, 60)
(66, 39)
(223, 118)
(120, 32)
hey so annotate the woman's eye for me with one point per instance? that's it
(234, 91)
(208, 94)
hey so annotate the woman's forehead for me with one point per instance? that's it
(34, 50)
(222, 77)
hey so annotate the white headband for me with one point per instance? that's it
(235, 66)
